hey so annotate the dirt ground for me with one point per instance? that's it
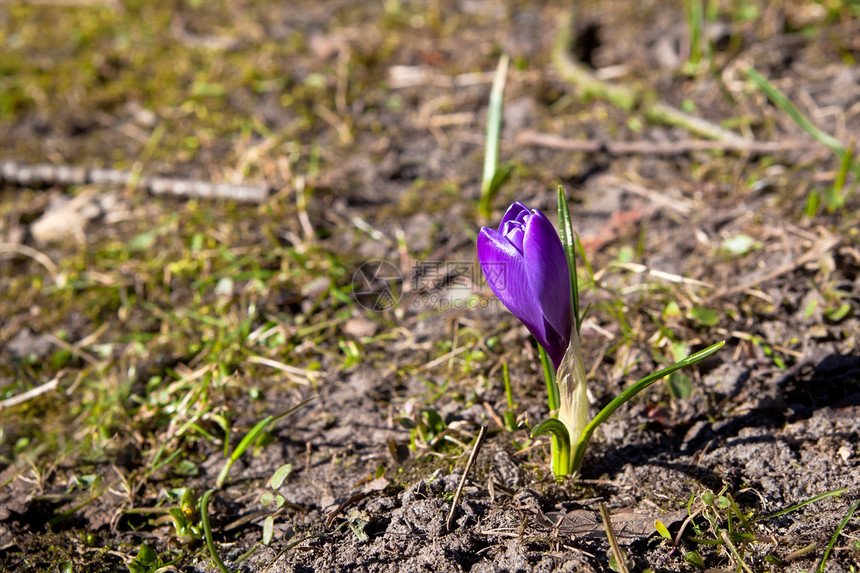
(145, 330)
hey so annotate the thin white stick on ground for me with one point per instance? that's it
(29, 394)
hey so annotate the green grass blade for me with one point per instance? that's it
(737, 510)
(568, 240)
(695, 22)
(207, 532)
(784, 104)
(510, 416)
(835, 195)
(836, 535)
(603, 415)
(240, 449)
(801, 504)
(251, 437)
(734, 551)
(489, 182)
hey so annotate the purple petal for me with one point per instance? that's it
(514, 232)
(505, 271)
(548, 274)
(555, 345)
(514, 212)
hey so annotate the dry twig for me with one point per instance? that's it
(620, 561)
(30, 394)
(670, 148)
(456, 501)
(67, 175)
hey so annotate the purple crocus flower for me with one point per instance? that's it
(525, 265)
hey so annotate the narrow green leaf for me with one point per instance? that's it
(626, 395)
(510, 416)
(494, 128)
(801, 504)
(510, 421)
(784, 104)
(835, 196)
(811, 207)
(207, 532)
(695, 22)
(568, 240)
(251, 436)
(561, 444)
(649, 380)
(503, 173)
(552, 426)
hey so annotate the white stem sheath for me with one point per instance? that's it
(573, 400)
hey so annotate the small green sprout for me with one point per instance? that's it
(274, 497)
(424, 427)
(510, 416)
(146, 561)
(730, 528)
(185, 517)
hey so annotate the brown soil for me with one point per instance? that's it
(387, 134)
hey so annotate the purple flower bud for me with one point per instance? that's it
(525, 265)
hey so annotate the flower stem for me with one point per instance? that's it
(560, 460)
(551, 385)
